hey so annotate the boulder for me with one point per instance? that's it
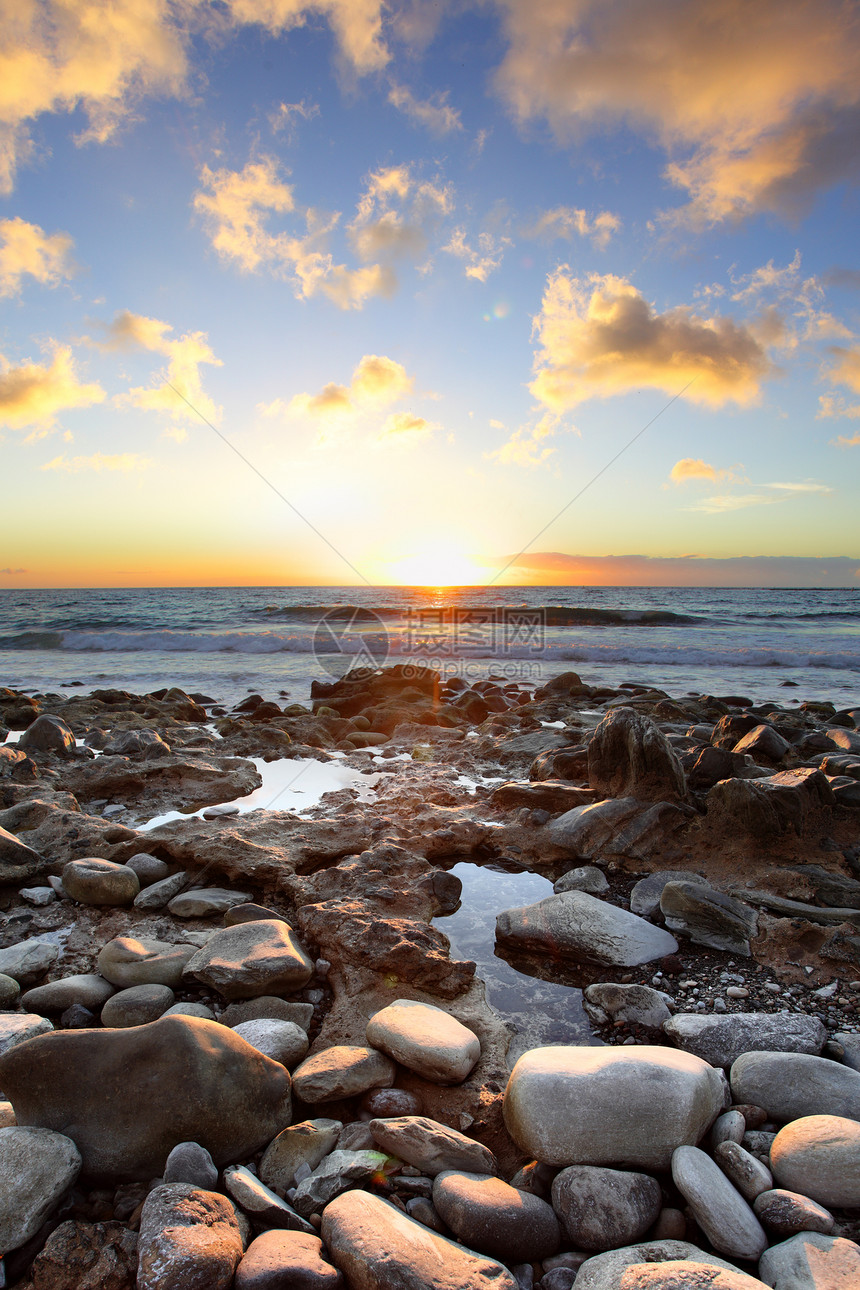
(47, 734)
(628, 756)
(377, 1247)
(763, 744)
(100, 882)
(430, 1146)
(720, 1040)
(768, 808)
(785, 1213)
(811, 1261)
(582, 928)
(645, 896)
(206, 902)
(617, 826)
(426, 1040)
(36, 1168)
(792, 1085)
(127, 1097)
(189, 1240)
(137, 1005)
(16, 1027)
(709, 917)
(819, 1155)
(603, 1209)
(489, 1215)
(343, 1070)
(249, 959)
(720, 1210)
(18, 862)
(610, 1106)
(27, 961)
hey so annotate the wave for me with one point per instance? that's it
(551, 615)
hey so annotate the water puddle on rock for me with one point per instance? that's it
(542, 1012)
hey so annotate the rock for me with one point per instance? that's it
(687, 1275)
(38, 896)
(10, 992)
(603, 1209)
(720, 1040)
(562, 1105)
(645, 896)
(819, 1155)
(278, 1259)
(785, 1213)
(100, 882)
(709, 917)
(618, 826)
(189, 1240)
(763, 743)
(748, 1174)
(300, 1144)
(768, 808)
(494, 1218)
(137, 1005)
(628, 756)
(261, 957)
(47, 734)
(126, 961)
(586, 878)
(582, 928)
(149, 869)
(791, 1085)
(605, 1271)
(159, 894)
(333, 1175)
(343, 1070)
(7, 1116)
(188, 1162)
(426, 1040)
(261, 1204)
(27, 961)
(88, 988)
(728, 1127)
(430, 1146)
(129, 1096)
(249, 913)
(15, 1027)
(88, 1256)
(18, 862)
(283, 1041)
(387, 1103)
(137, 743)
(189, 1010)
(36, 1168)
(377, 1247)
(206, 902)
(267, 1005)
(811, 1261)
(721, 1212)
(636, 1005)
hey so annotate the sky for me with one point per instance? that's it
(429, 291)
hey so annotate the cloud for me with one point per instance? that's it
(286, 114)
(482, 262)
(769, 278)
(126, 462)
(406, 427)
(13, 572)
(801, 488)
(600, 337)
(356, 24)
(435, 114)
(185, 354)
(35, 395)
(693, 468)
(27, 250)
(526, 446)
(844, 370)
(778, 492)
(236, 206)
(685, 570)
(844, 441)
(397, 214)
(756, 106)
(377, 381)
(565, 221)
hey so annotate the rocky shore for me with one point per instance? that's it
(235, 1049)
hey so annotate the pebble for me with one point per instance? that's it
(127, 961)
(148, 868)
(205, 902)
(38, 896)
(87, 988)
(784, 1213)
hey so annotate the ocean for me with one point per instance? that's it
(787, 645)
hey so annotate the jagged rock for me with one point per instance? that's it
(177, 782)
(333, 1175)
(18, 862)
(618, 826)
(547, 795)
(260, 1203)
(720, 1040)
(769, 807)
(645, 896)
(88, 1256)
(36, 1167)
(137, 743)
(299, 1144)
(189, 1240)
(129, 1096)
(709, 917)
(580, 927)
(628, 756)
(47, 734)
(763, 743)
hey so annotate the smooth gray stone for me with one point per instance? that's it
(280, 1259)
(333, 1175)
(283, 1041)
(425, 1039)
(586, 878)
(250, 959)
(785, 1213)
(27, 961)
(100, 882)
(721, 1039)
(430, 1146)
(36, 1167)
(260, 1203)
(306, 1143)
(38, 896)
(189, 1238)
(728, 1127)
(16, 1027)
(158, 894)
(604, 1209)
(709, 917)
(266, 1005)
(188, 1162)
(341, 1071)
(792, 1085)
(149, 869)
(637, 1005)
(743, 1170)
(87, 988)
(561, 1104)
(490, 1216)
(719, 1209)
(819, 1156)
(127, 961)
(189, 1010)
(645, 896)
(851, 1046)
(137, 1005)
(204, 902)
(811, 1261)
(375, 1245)
(604, 1271)
(581, 927)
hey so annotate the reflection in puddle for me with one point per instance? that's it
(543, 1012)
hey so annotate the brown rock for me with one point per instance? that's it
(628, 756)
(189, 1240)
(88, 1256)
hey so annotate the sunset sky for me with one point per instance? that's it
(357, 290)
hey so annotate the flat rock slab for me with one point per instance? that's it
(792, 1085)
(36, 1167)
(709, 917)
(431, 1146)
(127, 1097)
(610, 1106)
(377, 1247)
(720, 1040)
(250, 959)
(580, 927)
(27, 961)
(645, 896)
(617, 826)
(819, 1155)
(426, 1040)
(206, 902)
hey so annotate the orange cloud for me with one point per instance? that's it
(35, 395)
(180, 394)
(376, 381)
(27, 250)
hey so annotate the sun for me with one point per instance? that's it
(436, 565)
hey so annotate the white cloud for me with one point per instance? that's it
(405, 428)
(34, 394)
(377, 381)
(480, 262)
(180, 393)
(436, 114)
(27, 250)
(694, 468)
(565, 221)
(397, 214)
